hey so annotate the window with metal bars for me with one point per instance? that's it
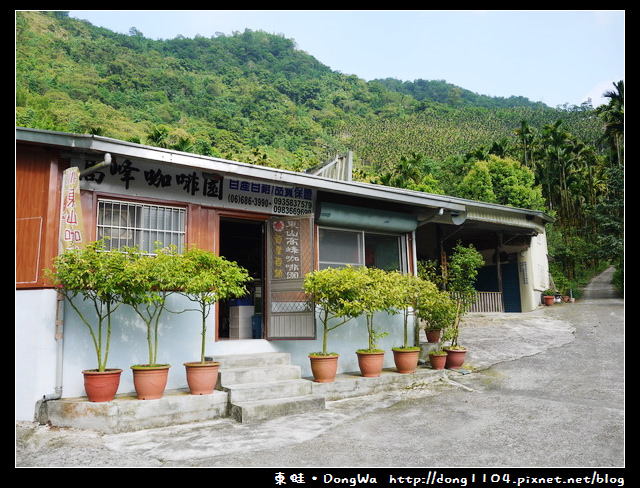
(140, 224)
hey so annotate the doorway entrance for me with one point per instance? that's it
(243, 241)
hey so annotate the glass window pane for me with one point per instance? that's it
(382, 251)
(339, 247)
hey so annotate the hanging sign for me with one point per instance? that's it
(290, 257)
(286, 250)
(71, 228)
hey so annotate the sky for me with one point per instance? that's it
(553, 56)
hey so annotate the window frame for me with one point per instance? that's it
(138, 229)
(403, 251)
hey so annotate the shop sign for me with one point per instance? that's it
(138, 178)
(71, 228)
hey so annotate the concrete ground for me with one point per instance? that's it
(509, 400)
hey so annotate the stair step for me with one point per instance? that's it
(275, 407)
(265, 385)
(252, 360)
(233, 376)
(241, 392)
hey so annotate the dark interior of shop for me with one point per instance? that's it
(242, 241)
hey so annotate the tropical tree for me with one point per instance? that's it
(526, 136)
(612, 115)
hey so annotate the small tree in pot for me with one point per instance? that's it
(376, 294)
(435, 310)
(333, 291)
(206, 278)
(461, 277)
(95, 275)
(408, 289)
(148, 281)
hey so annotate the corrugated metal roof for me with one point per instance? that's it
(475, 210)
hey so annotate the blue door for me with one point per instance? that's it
(488, 281)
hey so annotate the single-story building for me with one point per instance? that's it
(277, 224)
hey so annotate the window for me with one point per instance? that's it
(142, 225)
(358, 248)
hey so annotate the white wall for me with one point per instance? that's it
(347, 339)
(35, 349)
(179, 342)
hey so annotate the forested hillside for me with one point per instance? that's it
(255, 97)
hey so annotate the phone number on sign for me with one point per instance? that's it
(283, 206)
(248, 200)
(291, 206)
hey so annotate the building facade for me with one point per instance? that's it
(279, 225)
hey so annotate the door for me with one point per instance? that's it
(511, 287)
(290, 256)
(243, 241)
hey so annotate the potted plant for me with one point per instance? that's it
(548, 296)
(461, 277)
(205, 279)
(438, 358)
(375, 295)
(333, 291)
(435, 311)
(407, 289)
(148, 281)
(93, 274)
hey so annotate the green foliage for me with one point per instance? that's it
(436, 308)
(408, 290)
(348, 292)
(462, 272)
(147, 282)
(205, 278)
(504, 181)
(73, 76)
(95, 275)
(377, 290)
(333, 291)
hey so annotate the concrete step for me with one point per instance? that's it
(251, 411)
(242, 392)
(251, 360)
(257, 374)
(264, 386)
(126, 413)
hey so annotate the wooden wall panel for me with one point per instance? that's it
(37, 208)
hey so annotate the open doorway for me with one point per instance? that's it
(242, 241)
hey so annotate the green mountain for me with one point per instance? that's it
(251, 96)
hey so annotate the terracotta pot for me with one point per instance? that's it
(406, 361)
(202, 377)
(455, 358)
(548, 300)
(324, 368)
(433, 335)
(101, 386)
(370, 363)
(437, 361)
(150, 381)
